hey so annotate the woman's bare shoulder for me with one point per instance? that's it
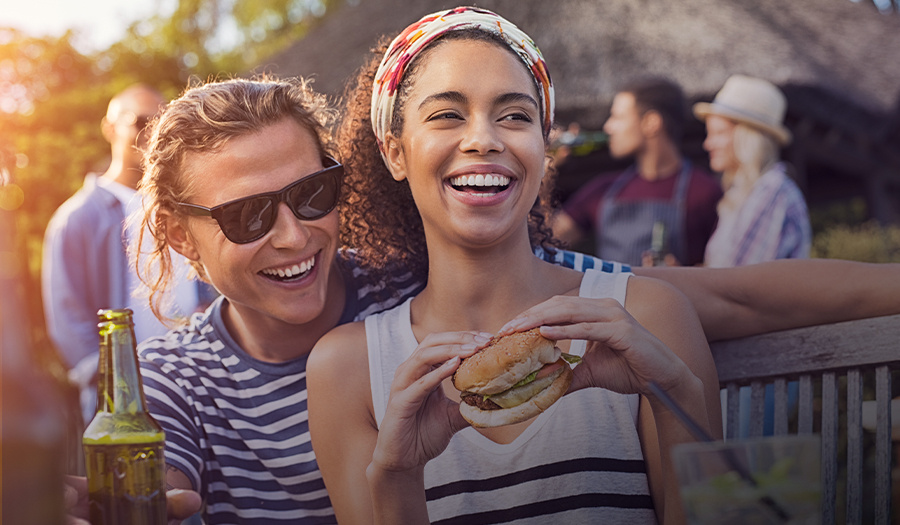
(342, 350)
(654, 301)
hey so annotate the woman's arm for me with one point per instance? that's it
(341, 424)
(779, 295)
(667, 314)
(418, 424)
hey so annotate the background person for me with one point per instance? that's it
(762, 215)
(85, 261)
(646, 122)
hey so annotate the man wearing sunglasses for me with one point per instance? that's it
(85, 262)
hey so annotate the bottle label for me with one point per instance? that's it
(126, 483)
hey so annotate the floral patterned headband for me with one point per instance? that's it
(417, 36)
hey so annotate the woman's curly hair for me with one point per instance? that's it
(380, 219)
(202, 120)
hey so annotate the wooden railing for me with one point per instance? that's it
(857, 357)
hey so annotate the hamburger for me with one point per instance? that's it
(512, 379)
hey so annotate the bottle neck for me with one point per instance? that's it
(120, 388)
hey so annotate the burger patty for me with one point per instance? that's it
(479, 401)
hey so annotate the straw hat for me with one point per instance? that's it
(752, 101)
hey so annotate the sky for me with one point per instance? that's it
(99, 23)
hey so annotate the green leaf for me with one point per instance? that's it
(571, 359)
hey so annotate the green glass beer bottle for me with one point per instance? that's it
(123, 445)
(658, 243)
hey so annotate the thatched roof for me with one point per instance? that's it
(592, 46)
(835, 59)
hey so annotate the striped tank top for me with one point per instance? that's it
(578, 462)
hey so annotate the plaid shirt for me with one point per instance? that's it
(772, 223)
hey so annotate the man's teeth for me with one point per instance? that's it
(292, 271)
(480, 180)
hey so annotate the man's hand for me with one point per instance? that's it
(180, 504)
(76, 498)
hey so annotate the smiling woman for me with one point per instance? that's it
(444, 114)
(460, 106)
(391, 207)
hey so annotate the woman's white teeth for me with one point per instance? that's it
(292, 271)
(480, 180)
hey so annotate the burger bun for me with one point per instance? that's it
(504, 362)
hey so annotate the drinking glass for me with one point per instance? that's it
(766, 480)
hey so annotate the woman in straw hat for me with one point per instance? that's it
(762, 215)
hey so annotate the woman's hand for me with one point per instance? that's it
(658, 339)
(621, 354)
(420, 419)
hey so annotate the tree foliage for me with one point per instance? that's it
(52, 97)
(224, 36)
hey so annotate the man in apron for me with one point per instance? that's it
(662, 191)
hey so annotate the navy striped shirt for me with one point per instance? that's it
(237, 426)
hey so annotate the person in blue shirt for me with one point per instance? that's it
(86, 264)
(762, 215)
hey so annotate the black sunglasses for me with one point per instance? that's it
(250, 218)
